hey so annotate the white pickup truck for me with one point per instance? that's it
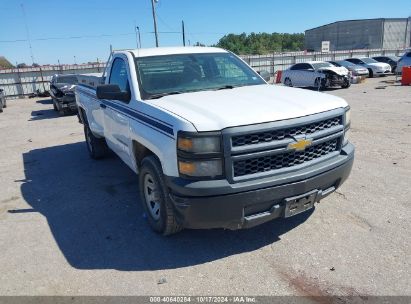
(214, 145)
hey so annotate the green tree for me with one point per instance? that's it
(4, 63)
(261, 43)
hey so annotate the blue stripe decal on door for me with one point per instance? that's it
(133, 114)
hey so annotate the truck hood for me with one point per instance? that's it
(338, 70)
(216, 110)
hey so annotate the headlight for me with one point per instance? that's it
(347, 120)
(347, 124)
(201, 168)
(200, 154)
(346, 135)
(202, 144)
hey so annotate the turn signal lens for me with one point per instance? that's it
(185, 144)
(209, 168)
(186, 168)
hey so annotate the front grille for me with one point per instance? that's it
(278, 161)
(279, 134)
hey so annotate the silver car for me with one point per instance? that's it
(404, 61)
(356, 70)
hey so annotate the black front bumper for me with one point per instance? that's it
(67, 101)
(214, 204)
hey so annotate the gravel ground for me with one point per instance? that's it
(73, 226)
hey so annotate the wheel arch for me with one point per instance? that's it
(140, 151)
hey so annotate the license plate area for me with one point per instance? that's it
(297, 204)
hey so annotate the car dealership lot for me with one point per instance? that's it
(73, 226)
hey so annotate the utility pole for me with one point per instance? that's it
(155, 20)
(184, 33)
(139, 37)
(28, 33)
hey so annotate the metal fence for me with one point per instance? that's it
(26, 81)
(282, 61)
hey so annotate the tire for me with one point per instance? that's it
(97, 147)
(370, 73)
(4, 104)
(287, 82)
(319, 84)
(346, 84)
(155, 198)
(64, 112)
(55, 106)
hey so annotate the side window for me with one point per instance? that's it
(356, 61)
(228, 69)
(409, 54)
(119, 75)
(306, 66)
(297, 66)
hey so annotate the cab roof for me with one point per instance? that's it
(174, 50)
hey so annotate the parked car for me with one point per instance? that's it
(356, 70)
(62, 92)
(3, 103)
(318, 74)
(213, 144)
(391, 60)
(374, 67)
(405, 60)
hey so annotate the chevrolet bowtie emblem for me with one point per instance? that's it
(300, 144)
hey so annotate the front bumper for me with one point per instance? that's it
(216, 204)
(67, 102)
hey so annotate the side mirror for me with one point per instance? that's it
(112, 92)
(265, 75)
(310, 70)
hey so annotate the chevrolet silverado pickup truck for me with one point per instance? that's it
(213, 144)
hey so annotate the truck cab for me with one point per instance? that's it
(214, 145)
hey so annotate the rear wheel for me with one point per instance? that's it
(370, 73)
(155, 198)
(97, 147)
(288, 83)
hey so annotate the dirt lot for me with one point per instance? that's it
(73, 226)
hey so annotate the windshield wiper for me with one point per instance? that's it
(159, 95)
(229, 86)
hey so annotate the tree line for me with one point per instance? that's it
(261, 43)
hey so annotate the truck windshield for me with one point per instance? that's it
(174, 74)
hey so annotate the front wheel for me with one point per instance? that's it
(346, 84)
(55, 108)
(370, 73)
(155, 198)
(319, 84)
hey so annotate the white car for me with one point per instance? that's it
(374, 67)
(318, 74)
(213, 144)
(404, 61)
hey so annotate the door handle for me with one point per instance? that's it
(103, 106)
